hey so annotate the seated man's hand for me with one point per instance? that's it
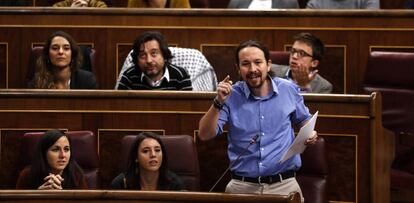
(303, 75)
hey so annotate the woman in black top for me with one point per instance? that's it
(147, 167)
(53, 167)
(59, 65)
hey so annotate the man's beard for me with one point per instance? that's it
(255, 76)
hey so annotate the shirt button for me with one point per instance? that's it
(262, 117)
(262, 133)
(260, 163)
(262, 149)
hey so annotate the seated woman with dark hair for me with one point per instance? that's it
(59, 65)
(52, 167)
(147, 167)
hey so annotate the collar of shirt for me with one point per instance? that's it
(288, 76)
(158, 82)
(248, 93)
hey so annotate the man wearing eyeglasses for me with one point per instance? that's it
(305, 55)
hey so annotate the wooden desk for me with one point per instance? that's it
(358, 150)
(92, 196)
(395, 4)
(349, 35)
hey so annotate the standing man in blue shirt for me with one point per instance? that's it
(258, 105)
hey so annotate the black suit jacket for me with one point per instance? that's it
(82, 79)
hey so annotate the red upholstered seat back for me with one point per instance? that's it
(312, 176)
(391, 73)
(279, 57)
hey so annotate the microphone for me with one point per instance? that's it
(252, 141)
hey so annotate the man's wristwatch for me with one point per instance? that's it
(217, 104)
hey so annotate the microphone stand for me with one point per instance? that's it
(254, 139)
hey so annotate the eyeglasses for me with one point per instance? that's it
(300, 53)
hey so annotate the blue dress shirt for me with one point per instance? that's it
(271, 118)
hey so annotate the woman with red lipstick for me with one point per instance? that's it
(147, 167)
(52, 167)
(59, 65)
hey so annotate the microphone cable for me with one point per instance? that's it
(254, 140)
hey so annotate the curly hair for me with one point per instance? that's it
(149, 36)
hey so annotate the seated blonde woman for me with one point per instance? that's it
(81, 3)
(159, 3)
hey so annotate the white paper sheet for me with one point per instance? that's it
(298, 145)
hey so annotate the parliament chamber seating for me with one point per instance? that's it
(209, 3)
(202, 74)
(313, 174)
(279, 57)
(110, 3)
(391, 74)
(182, 158)
(88, 63)
(84, 149)
(224, 3)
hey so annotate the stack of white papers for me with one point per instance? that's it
(298, 145)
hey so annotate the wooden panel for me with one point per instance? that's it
(347, 34)
(3, 65)
(394, 4)
(346, 165)
(122, 53)
(350, 125)
(212, 154)
(385, 4)
(225, 65)
(137, 196)
(333, 66)
(393, 48)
